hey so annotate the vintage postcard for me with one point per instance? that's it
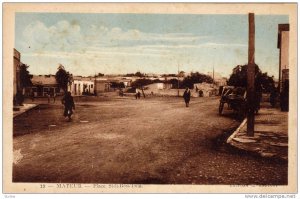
(150, 98)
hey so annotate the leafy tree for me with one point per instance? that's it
(117, 85)
(267, 82)
(238, 78)
(141, 82)
(174, 82)
(194, 78)
(181, 74)
(25, 77)
(139, 74)
(100, 74)
(169, 75)
(129, 75)
(63, 78)
(25, 81)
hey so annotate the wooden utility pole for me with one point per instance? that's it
(251, 76)
(178, 81)
(213, 74)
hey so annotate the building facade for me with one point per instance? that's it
(16, 78)
(82, 85)
(101, 85)
(283, 46)
(42, 85)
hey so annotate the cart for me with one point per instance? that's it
(235, 98)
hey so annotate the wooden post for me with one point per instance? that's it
(178, 81)
(251, 76)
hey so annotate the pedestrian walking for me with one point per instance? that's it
(68, 102)
(139, 94)
(187, 96)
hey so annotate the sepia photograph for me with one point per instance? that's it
(130, 97)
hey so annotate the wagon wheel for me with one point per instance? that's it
(221, 106)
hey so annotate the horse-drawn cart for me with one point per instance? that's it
(235, 98)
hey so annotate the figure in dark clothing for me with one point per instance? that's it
(187, 96)
(68, 102)
(139, 95)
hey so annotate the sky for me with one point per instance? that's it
(87, 44)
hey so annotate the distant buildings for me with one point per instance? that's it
(43, 85)
(101, 85)
(106, 84)
(218, 79)
(221, 81)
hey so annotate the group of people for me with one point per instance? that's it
(69, 104)
(186, 96)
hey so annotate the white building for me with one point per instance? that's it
(158, 86)
(82, 85)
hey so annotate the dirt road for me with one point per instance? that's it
(154, 140)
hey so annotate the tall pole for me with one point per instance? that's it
(214, 74)
(251, 76)
(279, 77)
(178, 81)
(95, 84)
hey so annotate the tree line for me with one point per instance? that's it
(188, 81)
(238, 78)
